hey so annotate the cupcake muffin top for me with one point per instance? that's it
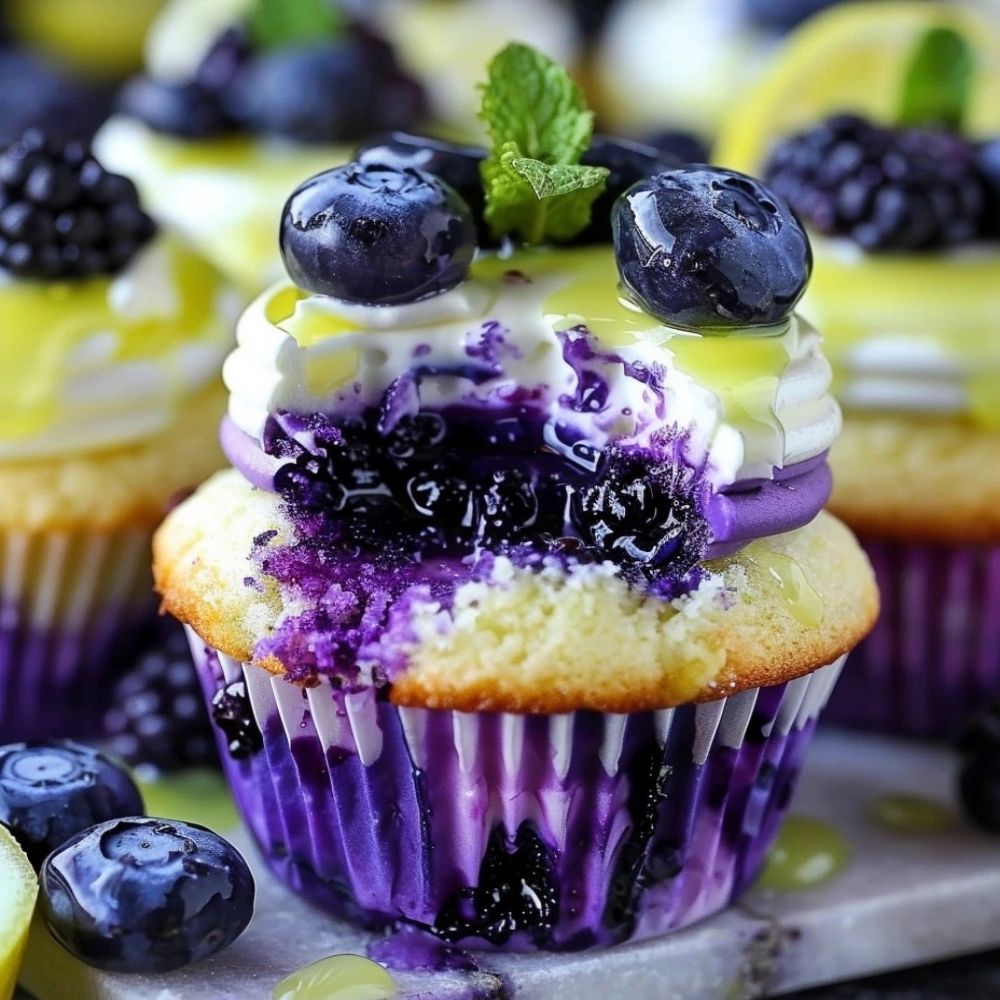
(475, 473)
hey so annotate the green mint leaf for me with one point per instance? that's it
(275, 24)
(531, 100)
(537, 200)
(539, 127)
(938, 82)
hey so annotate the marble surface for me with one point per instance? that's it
(904, 899)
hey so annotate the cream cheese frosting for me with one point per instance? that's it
(107, 361)
(755, 403)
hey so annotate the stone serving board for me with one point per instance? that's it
(904, 898)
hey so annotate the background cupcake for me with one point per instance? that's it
(242, 100)
(894, 166)
(113, 338)
(518, 607)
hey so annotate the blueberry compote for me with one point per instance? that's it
(401, 499)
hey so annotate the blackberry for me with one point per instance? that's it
(888, 190)
(231, 712)
(516, 893)
(157, 716)
(62, 215)
(979, 775)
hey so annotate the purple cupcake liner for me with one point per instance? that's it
(933, 659)
(72, 607)
(514, 831)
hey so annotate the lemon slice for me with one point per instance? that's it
(18, 889)
(854, 58)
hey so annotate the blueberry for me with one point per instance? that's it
(707, 248)
(184, 108)
(979, 774)
(685, 147)
(49, 792)
(437, 492)
(146, 895)
(783, 15)
(628, 162)
(378, 235)
(643, 513)
(232, 713)
(457, 166)
(415, 433)
(321, 93)
(988, 167)
(508, 505)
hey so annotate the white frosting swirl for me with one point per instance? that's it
(319, 354)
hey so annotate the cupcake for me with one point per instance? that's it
(114, 338)
(894, 172)
(243, 100)
(518, 607)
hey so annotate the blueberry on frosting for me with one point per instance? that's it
(377, 235)
(707, 248)
(62, 215)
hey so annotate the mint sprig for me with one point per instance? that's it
(275, 24)
(539, 127)
(938, 82)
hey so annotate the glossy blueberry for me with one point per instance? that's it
(183, 108)
(320, 93)
(627, 163)
(146, 895)
(436, 491)
(783, 15)
(458, 166)
(377, 235)
(36, 93)
(707, 248)
(49, 792)
(507, 505)
(415, 433)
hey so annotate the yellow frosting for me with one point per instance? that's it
(947, 300)
(41, 324)
(224, 194)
